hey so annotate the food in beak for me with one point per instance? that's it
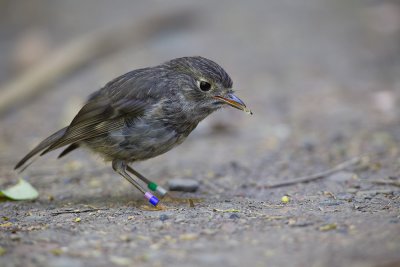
(234, 101)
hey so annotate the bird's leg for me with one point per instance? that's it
(120, 167)
(151, 185)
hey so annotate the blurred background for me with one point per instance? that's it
(290, 61)
(321, 77)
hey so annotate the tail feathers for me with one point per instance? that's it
(68, 149)
(43, 145)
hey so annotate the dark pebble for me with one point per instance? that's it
(184, 185)
(234, 216)
(308, 144)
(164, 217)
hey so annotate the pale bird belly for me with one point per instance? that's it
(142, 141)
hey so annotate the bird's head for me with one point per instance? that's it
(204, 84)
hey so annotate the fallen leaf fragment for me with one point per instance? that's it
(7, 224)
(285, 199)
(328, 227)
(21, 191)
(56, 252)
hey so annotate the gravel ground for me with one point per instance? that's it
(322, 78)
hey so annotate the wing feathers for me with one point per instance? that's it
(102, 120)
(106, 111)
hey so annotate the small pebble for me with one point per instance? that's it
(164, 217)
(308, 144)
(184, 185)
(234, 216)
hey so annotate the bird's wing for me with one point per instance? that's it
(99, 116)
(127, 96)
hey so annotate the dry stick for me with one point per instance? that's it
(74, 211)
(77, 53)
(385, 182)
(317, 176)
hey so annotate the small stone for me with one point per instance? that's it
(234, 216)
(184, 185)
(164, 217)
(308, 144)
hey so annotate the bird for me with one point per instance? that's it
(144, 113)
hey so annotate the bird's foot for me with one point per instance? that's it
(153, 200)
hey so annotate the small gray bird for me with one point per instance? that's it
(145, 113)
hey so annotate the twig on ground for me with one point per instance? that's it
(386, 182)
(74, 211)
(316, 176)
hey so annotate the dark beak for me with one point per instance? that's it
(234, 101)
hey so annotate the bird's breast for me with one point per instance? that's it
(146, 138)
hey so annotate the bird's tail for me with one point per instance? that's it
(43, 145)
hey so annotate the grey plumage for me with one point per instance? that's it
(145, 112)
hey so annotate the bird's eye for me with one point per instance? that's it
(204, 86)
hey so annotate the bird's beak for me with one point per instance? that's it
(234, 101)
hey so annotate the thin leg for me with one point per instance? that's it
(120, 167)
(151, 185)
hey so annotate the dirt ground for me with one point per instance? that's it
(322, 78)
